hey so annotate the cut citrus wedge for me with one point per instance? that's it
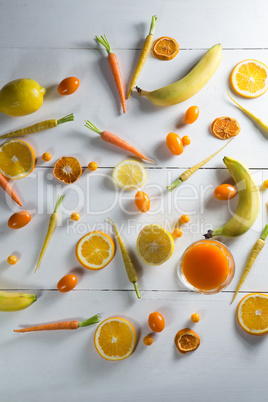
(187, 340)
(165, 48)
(67, 169)
(17, 159)
(95, 250)
(129, 175)
(252, 313)
(154, 245)
(249, 78)
(225, 128)
(115, 339)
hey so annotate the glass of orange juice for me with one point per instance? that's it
(206, 266)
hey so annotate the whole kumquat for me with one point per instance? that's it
(195, 317)
(68, 86)
(92, 166)
(156, 322)
(46, 157)
(67, 283)
(225, 192)
(12, 260)
(75, 216)
(265, 184)
(184, 219)
(174, 144)
(177, 232)
(186, 140)
(142, 201)
(191, 115)
(148, 340)
(19, 220)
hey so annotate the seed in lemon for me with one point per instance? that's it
(17, 159)
(129, 174)
(155, 245)
(252, 313)
(95, 250)
(249, 78)
(115, 339)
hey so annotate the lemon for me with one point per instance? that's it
(21, 97)
(129, 174)
(17, 159)
(155, 245)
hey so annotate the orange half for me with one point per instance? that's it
(67, 169)
(225, 128)
(17, 159)
(249, 78)
(165, 48)
(252, 313)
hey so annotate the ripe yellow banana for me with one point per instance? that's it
(15, 301)
(190, 84)
(248, 205)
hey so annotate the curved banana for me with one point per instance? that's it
(190, 84)
(248, 205)
(15, 301)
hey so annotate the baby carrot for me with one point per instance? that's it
(255, 251)
(185, 175)
(51, 228)
(131, 271)
(113, 62)
(9, 190)
(117, 141)
(61, 325)
(144, 53)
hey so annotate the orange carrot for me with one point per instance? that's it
(113, 62)
(9, 190)
(117, 141)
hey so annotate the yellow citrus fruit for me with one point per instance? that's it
(21, 97)
(95, 250)
(129, 174)
(154, 245)
(252, 313)
(17, 159)
(249, 78)
(115, 338)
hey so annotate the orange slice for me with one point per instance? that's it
(95, 250)
(17, 159)
(249, 78)
(165, 48)
(252, 313)
(225, 128)
(115, 339)
(67, 169)
(187, 340)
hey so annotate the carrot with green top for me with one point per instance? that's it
(113, 62)
(43, 125)
(130, 269)
(9, 190)
(144, 54)
(255, 251)
(185, 175)
(51, 228)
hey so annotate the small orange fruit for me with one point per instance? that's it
(177, 233)
(165, 48)
(225, 128)
(67, 169)
(184, 219)
(195, 317)
(187, 340)
(252, 313)
(12, 260)
(249, 78)
(148, 340)
(46, 157)
(186, 140)
(92, 166)
(75, 216)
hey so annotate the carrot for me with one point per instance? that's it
(144, 54)
(61, 325)
(117, 141)
(113, 62)
(9, 190)
(43, 125)
(255, 251)
(130, 269)
(185, 175)
(51, 228)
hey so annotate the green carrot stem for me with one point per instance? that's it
(58, 202)
(153, 25)
(69, 117)
(92, 127)
(89, 321)
(104, 42)
(176, 183)
(136, 287)
(264, 233)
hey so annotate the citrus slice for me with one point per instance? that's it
(129, 175)
(249, 78)
(67, 169)
(95, 250)
(187, 340)
(154, 245)
(225, 128)
(115, 338)
(165, 48)
(17, 159)
(252, 313)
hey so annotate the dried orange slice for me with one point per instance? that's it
(252, 313)
(115, 338)
(165, 48)
(225, 128)
(95, 250)
(187, 340)
(17, 159)
(67, 169)
(249, 78)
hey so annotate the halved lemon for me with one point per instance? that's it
(95, 250)
(17, 159)
(129, 174)
(252, 313)
(249, 78)
(155, 245)
(115, 338)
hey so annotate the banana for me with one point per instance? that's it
(248, 205)
(190, 84)
(15, 301)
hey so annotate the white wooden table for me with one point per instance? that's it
(49, 41)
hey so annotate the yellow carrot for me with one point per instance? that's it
(255, 251)
(51, 228)
(43, 125)
(185, 175)
(143, 56)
